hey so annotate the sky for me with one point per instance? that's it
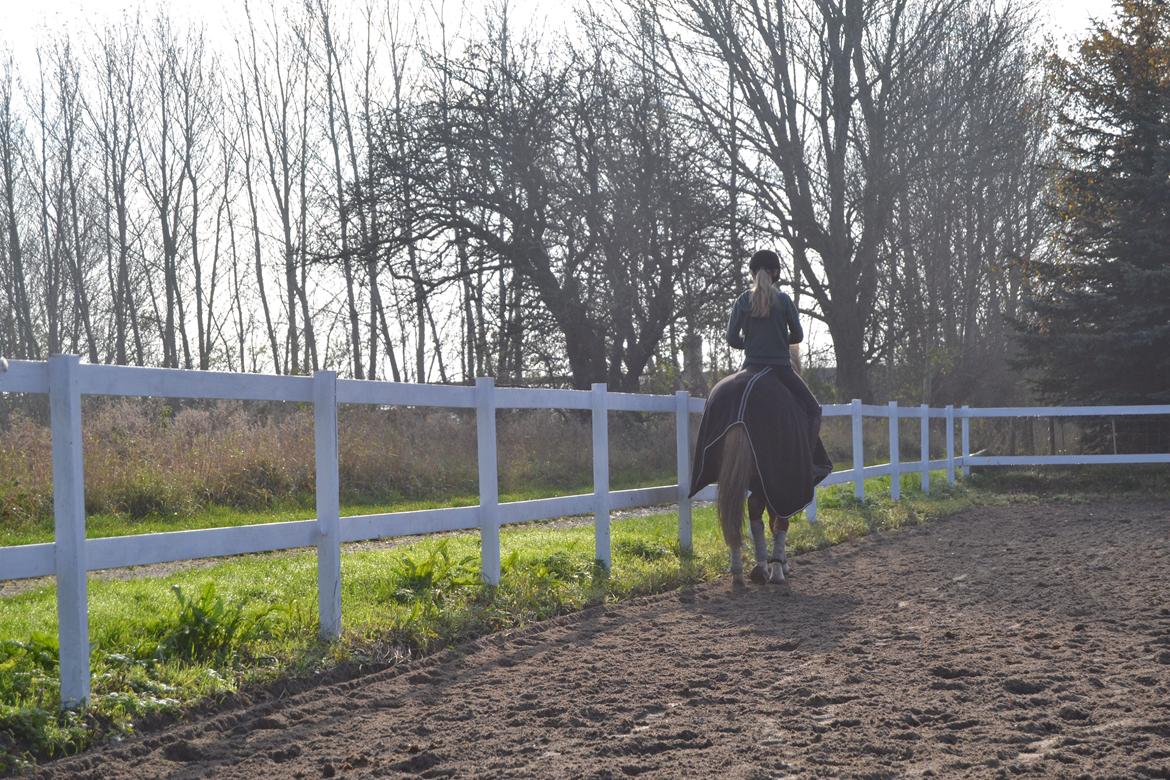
(22, 22)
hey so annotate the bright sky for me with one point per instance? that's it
(23, 23)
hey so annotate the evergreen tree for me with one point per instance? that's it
(1098, 329)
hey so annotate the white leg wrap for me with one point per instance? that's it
(779, 542)
(760, 541)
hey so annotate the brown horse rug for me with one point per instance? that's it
(790, 457)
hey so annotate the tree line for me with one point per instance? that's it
(1096, 328)
(406, 193)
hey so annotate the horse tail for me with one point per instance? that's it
(735, 472)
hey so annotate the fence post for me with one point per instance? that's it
(858, 451)
(966, 436)
(489, 485)
(950, 444)
(328, 504)
(682, 441)
(601, 474)
(69, 529)
(924, 465)
(895, 454)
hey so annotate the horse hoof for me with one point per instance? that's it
(737, 582)
(760, 574)
(777, 575)
(781, 565)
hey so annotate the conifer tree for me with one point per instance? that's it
(1098, 330)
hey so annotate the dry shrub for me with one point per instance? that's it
(431, 453)
(26, 472)
(553, 450)
(147, 457)
(388, 454)
(642, 448)
(544, 448)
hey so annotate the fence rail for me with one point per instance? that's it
(71, 555)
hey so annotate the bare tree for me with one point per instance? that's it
(275, 100)
(71, 113)
(112, 119)
(575, 188)
(245, 121)
(369, 190)
(814, 82)
(164, 154)
(51, 197)
(22, 337)
(197, 97)
(337, 124)
(969, 214)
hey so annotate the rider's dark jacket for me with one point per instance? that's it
(764, 340)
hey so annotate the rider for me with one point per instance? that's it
(764, 322)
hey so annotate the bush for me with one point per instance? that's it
(253, 484)
(28, 668)
(206, 629)
(144, 458)
(25, 473)
(433, 576)
(147, 494)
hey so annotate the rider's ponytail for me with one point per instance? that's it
(763, 294)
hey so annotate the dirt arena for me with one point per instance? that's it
(1017, 640)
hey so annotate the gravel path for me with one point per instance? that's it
(1015, 640)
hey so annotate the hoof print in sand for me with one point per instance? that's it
(183, 751)
(1023, 687)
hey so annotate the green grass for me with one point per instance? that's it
(162, 644)
(101, 525)
(1076, 483)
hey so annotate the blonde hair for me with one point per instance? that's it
(763, 294)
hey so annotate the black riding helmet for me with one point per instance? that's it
(765, 258)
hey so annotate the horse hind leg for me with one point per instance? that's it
(737, 566)
(782, 568)
(761, 573)
(735, 472)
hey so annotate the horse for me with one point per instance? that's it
(737, 475)
(756, 437)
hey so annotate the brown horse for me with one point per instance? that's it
(758, 436)
(737, 475)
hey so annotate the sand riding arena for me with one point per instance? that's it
(1011, 641)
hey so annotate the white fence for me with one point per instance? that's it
(65, 380)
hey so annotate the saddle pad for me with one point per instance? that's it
(790, 459)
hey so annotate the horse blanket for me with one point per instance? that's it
(790, 457)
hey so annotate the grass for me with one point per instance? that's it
(161, 645)
(1075, 483)
(107, 524)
